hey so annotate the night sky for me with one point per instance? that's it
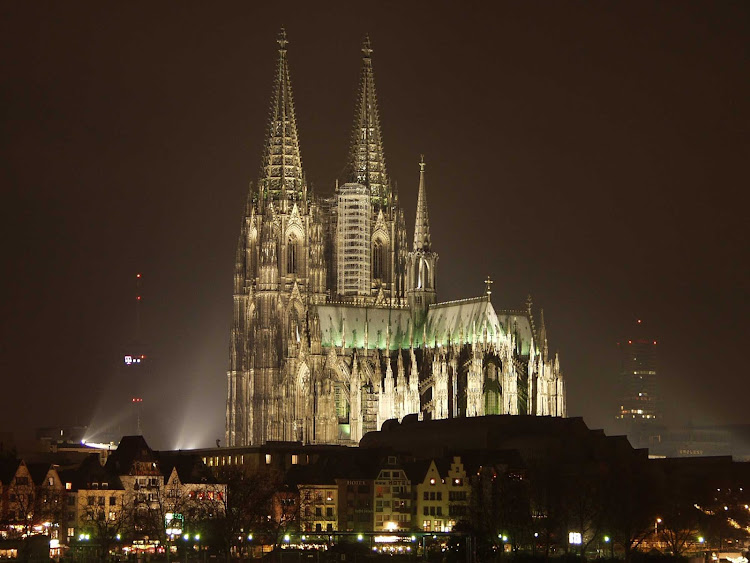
(592, 154)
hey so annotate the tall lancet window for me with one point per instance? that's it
(291, 255)
(378, 260)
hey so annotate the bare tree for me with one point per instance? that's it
(106, 515)
(631, 491)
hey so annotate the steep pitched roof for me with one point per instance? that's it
(88, 472)
(130, 450)
(350, 323)
(461, 321)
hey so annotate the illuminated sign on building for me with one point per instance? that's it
(130, 360)
(174, 523)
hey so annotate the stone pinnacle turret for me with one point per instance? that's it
(422, 224)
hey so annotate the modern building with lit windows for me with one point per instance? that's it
(638, 379)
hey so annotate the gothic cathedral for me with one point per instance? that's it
(337, 327)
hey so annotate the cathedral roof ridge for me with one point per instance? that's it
(375, 305)
(458, 301)
(518, 312)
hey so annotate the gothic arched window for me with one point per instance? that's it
(378, 262)
(291, 255)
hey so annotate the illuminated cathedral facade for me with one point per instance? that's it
(336, 325)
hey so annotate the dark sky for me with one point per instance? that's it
(593, 154)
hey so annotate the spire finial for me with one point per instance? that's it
(421, 163)
(282, 41)
(488, 282)
(366, 48)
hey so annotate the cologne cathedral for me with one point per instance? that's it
(337, 327)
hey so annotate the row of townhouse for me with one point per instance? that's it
(366, 492)
(31, 499)
(127, 498)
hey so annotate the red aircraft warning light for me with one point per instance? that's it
(137, 400)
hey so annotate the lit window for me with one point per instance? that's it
(295, 459)
(68, 486)
(268, 459)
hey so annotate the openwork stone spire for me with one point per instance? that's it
(281, 173)
(422, 225)
(367, 158)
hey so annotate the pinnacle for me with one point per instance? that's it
(422, 224)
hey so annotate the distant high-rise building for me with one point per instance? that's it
(638, 379)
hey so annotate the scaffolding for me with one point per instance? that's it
(353, 240)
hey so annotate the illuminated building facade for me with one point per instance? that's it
(443, 493)
(638, 381)
(393, 498)
(336, 324)
(318, 507)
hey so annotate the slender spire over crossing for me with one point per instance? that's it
(367, 157)
(422, 224)
(281, 174)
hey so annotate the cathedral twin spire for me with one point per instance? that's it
(366, 156)
(281, 174)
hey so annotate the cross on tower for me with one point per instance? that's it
(421, 162)
(282, 39)
(366, 46)
(488, 282)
